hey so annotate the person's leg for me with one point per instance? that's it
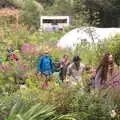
(46, 81)
(61, 76)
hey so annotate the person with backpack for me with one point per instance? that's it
(11, 55)
(45, 67)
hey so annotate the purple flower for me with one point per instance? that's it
(28, 49)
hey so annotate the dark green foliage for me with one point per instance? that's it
(108, 11)
(46, 3)
(102, 13)
(6, 3)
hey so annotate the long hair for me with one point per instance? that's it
(104, 66)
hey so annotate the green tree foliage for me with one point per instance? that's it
(31, 10)
(59, 7)
(74, 8)
(31, 14)
(46, 3)
(80, 13)
(103, 13)
(6, 3)
(111, 45)
(108, 11)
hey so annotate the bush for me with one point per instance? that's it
(26, 105)
(111, 45)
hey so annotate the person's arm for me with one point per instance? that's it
(52, 65)
(60, 66)
(69, 72)
(40, 65)
(83, 68)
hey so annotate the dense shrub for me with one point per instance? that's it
(69, 102)
(111, 45)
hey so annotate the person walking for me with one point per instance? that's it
(105, 71)
(45, 67)
(75, 70)
(63, 67)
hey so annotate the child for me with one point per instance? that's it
(11, 55)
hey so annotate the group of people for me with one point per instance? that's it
(47, 67)
(106, 74)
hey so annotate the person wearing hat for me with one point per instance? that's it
(46, 67)
(75, 70)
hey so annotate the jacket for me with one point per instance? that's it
(45, 65)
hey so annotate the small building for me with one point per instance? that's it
(51, 23)
(9, 14)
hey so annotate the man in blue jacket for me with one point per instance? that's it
(46, 67)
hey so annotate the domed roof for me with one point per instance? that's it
(86, 35)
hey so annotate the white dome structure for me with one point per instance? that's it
(86, 34)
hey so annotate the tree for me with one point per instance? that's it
(31, 10)
(82, 15)
(59, 7)
(74, 8)
(108, 11)
(46, 3)
(6, 3)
